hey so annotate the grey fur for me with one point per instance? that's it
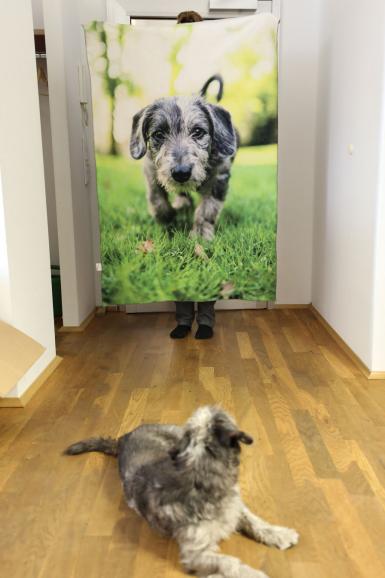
(215, 78)
(184, 482)
(107, 446)
(189, 134)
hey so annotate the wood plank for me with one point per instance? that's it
(316, 464)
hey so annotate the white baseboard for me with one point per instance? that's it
(222, 305)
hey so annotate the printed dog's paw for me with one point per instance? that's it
(165, 216)
(182, 201)
(281, 537)
(205, 230)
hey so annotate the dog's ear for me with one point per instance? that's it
(180, 447)
(231, 437)
(244, 438)
(224, 137)
(138, 142)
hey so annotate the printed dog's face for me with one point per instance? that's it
(210, 434)
(184, 137)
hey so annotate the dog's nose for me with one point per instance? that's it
(181, 173)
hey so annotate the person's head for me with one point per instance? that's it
(188, 16)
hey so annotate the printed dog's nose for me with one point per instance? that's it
(181, 173)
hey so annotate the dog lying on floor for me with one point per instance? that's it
(184, 482)
(190, 146)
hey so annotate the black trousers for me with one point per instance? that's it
(185, 313)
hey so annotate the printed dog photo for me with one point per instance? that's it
(184, 482)
(190, 146)
(185, 133)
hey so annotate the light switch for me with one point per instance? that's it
(350, 149)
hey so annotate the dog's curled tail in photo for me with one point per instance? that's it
(215, 78)
(107, 446)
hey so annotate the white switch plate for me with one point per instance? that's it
(98, 267)
(233, 4)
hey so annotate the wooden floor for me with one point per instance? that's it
(318, 463)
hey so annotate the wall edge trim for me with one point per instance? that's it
(346, 348)
(78, 328)
(22, 401)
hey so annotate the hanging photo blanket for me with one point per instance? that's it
(185, 131)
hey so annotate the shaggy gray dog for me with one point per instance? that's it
(184, 482)
(190, 145)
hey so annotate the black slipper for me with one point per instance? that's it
(204, 332)
(180, 331)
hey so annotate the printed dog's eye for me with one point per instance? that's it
(158, 135)
(198, 132)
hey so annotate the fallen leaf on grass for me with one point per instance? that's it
(146, 246)
(227, 289)
(200, 252)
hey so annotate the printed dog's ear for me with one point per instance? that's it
(231, 437)
(138, 144)
(225, 140)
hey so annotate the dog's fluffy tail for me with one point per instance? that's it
(215, 78)
(105, 445)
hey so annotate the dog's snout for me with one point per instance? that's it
(181, 173)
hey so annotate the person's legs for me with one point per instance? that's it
(184, 312)
(184, 318)
(205, 319)
(206, 313)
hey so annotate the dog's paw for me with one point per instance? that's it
(248, 572)
(280, 537)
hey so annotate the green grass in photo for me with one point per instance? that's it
(241, 259)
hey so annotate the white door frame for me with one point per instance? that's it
(121, 11)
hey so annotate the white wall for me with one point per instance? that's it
(378, 342)
(351, 105)
(45, 122)
(26, 299)
(5, 293)
(37, 14)
(378, 353)
(49, 177)
(171, 8)
(73, 197)
(298, 78)
(78, 221)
